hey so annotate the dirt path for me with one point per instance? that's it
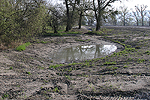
(124, 74)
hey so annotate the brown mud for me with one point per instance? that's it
(123, 75)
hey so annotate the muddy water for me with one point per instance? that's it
(82, 52)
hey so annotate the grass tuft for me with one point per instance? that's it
(23, 46)
(55, 66)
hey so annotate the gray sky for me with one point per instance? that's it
(132, 3)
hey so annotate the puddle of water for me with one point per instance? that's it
(82, 52)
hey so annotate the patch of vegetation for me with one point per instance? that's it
(141, 60)
(23, 46)
(61, 33)
(55, 66)
(67, 76)
(134, 76)
(115, 68)
(86, 64)
(44, 42)
(29, 73)
(70, 69)
(94, 33)
(11, 68)
(130, 49)
(122, 40)
(46, 81)
(100, 32)
(127, 50)
(82, 40)
(112, 67)
(147, 52)
(40, 67)
(75, 64)
(56, 89)
(5, 96)
(125, 66)
(138, 47)
(110, 63)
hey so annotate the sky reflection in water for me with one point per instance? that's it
(82, 52)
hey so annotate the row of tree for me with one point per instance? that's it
(20, 19)
(83, 8)
(140, 16)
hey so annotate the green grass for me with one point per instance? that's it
(11, 68)
(5, 96)
(110, 63)
(67, 76)
(44, 42)
(82, 40)
(125, 66)
(40, 67)
(141, 60)
(28, 73)
(55, 66)
(147, 52)
(75, 64)
(23, 46)
(61, 33)
(112, 67)
(56, 89)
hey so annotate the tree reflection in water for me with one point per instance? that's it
(82, 52)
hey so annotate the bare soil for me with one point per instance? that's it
(123, 75)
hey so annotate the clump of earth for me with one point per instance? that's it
(123, 74)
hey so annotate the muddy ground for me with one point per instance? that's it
(123, 75)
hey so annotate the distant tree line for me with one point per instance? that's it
(23, 19)
(125, 17)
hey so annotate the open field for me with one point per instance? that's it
(124, 75)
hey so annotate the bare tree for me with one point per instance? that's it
(149, 17)
(82, 7)
(137, 17)
(99, 7)
(124, 15)
(70, 10)
(141, 9)
(90, 18)
(110, 16)
(55, 16)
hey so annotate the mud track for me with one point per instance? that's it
(124, 74)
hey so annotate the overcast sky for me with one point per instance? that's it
(128, 3)
(132, 3)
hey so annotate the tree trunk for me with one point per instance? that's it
(55, 29)
(98, 16)
(80, 20)
(124, 21)
(149, 21)
(68, 17)
(142, 21)
(137, 23)
(115, 22)
(68, 25)
(98, 24)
